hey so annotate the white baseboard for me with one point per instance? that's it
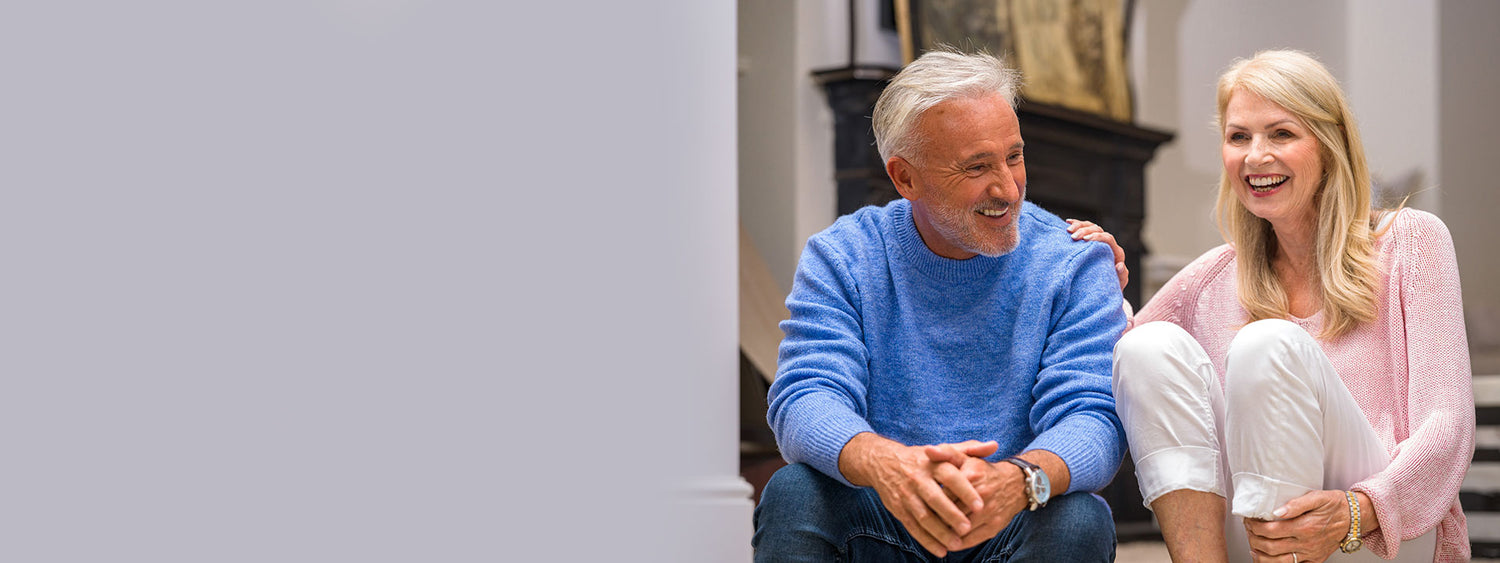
(718, 512)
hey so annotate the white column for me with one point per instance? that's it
(369, 281)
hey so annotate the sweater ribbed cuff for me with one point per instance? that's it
(822, 438)
(1091, 448)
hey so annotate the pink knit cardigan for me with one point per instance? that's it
(1408, 371)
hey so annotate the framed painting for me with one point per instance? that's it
(1071, 53)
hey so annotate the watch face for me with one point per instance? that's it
(1042, 487)
(1352, 546)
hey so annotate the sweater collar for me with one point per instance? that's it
(922, 259)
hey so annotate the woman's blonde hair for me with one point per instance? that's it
(1345, 243)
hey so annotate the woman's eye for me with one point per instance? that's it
(1283, 134)
(1238, 137)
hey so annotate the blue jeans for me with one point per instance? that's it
(805, 515)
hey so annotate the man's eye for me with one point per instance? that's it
(977, 169)
(1014, 158)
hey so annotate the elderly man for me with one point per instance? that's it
(944, 381)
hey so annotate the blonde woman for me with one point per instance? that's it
(1304, 389)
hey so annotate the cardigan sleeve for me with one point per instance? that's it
(1418, 488)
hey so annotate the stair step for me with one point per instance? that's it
(1483, 477)
(1484, 527)
(1487, 391)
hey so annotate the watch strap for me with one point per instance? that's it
(1029, 470)
(1352, 542)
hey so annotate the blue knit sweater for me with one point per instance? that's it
(886, 336)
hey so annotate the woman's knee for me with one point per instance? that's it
(1149, 340)
(1267, 352)
(1268, 336)
(1142, 352)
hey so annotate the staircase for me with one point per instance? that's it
(1480, 494)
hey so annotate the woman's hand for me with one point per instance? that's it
(1087, 230)
(1312, 526)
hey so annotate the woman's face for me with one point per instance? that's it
(1272, 161)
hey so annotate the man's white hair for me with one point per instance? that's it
(936, 76)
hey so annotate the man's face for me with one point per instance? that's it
(968, 180)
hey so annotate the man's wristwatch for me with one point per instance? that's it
(1038, 488)
(1352, 542)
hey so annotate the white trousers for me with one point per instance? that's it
(1282, 424)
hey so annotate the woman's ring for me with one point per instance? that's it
(1294, 557)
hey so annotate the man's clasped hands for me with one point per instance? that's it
(947, 495)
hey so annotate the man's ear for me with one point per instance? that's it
(902, 175)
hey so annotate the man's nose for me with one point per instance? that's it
(1004, 185)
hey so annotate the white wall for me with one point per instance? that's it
(377, 281)
(787, 128)
(768, 119)
(1398, 43)
(1469, 119)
